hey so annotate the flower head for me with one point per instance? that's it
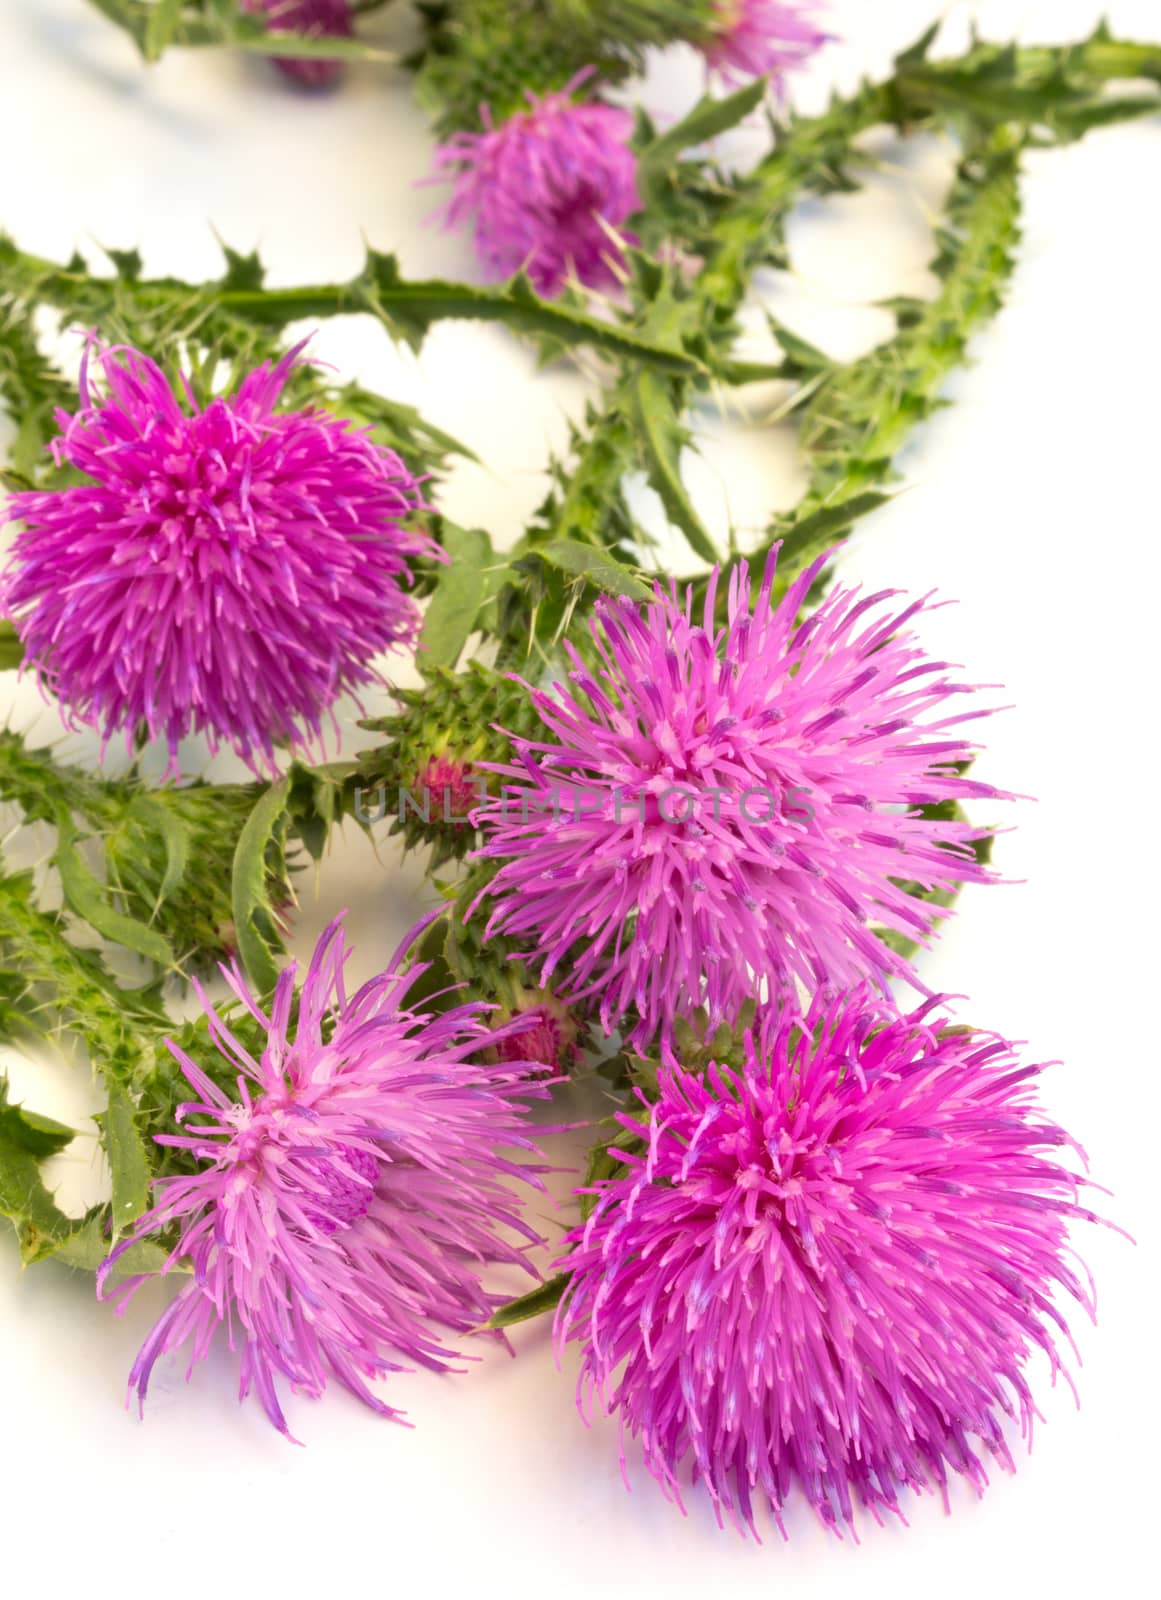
(828, 1269)
(447, 789)
(227, 569)
(327, 19)
(546, 190)
(758, 38)
(548, 1032)
(345, 1201)
(720, 811)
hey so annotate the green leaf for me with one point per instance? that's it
(300, 46)
(176, 835)
(661, 437)
(918, 52)
(412, 306)
(459, 593)
(11, 649)
(264, 836)
(129, 1162)
(595, 566)
(710, 117)
(39, 1222)
(545, 1297)
(155, 24)
(317, 801)
(1075, 121)
(88, 1243)
(87, 896)
(39, 1136)
(799, 351)
(815, 532)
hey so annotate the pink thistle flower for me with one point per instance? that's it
(347, 1199)
(327, 19)
(760, 38)
(228, 570)
(829, 1268)
(731, 809)
(546, 190)
(548, 1033)
(447, 788)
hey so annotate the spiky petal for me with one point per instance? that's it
(762, 38)
(344, 1203)
(547, 190)
(826, 1271)
(721, 807)
(227, 569)
(314, 19)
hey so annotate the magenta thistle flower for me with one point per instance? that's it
(227, 569)
(828, 1269)
(548, 1033)
(314, 19)
(759, 38)
(347, 1199)
(447, 789)
(730, 809)
(547, 190)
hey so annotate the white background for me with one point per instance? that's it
(1033, 501)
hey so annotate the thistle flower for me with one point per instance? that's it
(829, 1268)
(447, 789)
(227, 569)
(757, 38)
(327, 19)
(731, 809)
(346, 1200)
(546, 190)
(548, 1033)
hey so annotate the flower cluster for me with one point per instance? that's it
(720, 810)
(226, 569)
(345, 1201)
(827, 1234)
(828, 1269)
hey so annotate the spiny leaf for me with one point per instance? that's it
(799, 351)
(129, 1162)
(39, 1222)
(88, 897)
(40, 1136)
(595, 566)
(919, 51)
(459, 593)
(263, 838)
(153, 25)
(545, 1297)
(120, 1027)
(661, 438)
(176, 834)
(809, 537)
(412, 306)
(710, 117)
(88, 1242)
